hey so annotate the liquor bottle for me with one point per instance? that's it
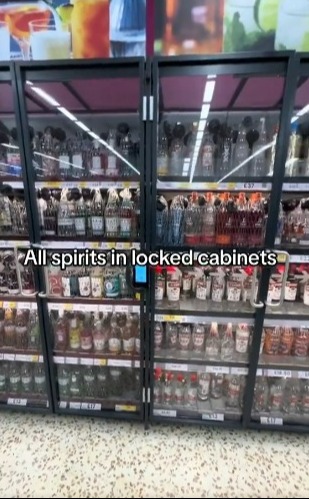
(97, 214)
(203, 286)
(280, 226)
(75, 384)
(126, 214)
(159, 286)
(158, 336)
(162, 221)
(293, 164)
(224, 161)
(207, 158)
(14, 378)
(171, 332)
(39, 379)
(261, 395)
(292, 396)
(5, 215)
(137, 341)
(115, 379)
(216, 387)
(273, 150)
(9, 329)
(61, 334)
(233, 392)
(97, 160)
(257, 220)
(136, 220)
(21, 330)
(173, 280)
(203, 386)
(103, 388)
(89, 382)
(242, 338)
(180, 389)
(63, 381)
(185, 338)
(305, 397)
(168, 393)
(213, 342)
(208, 222)
(50, 163)
(224, 227)
(66, 216)
(64, 161)
(192, 222)
(192, 391)
(74, 335)
(176, 157)
(114, 337)
(112, 214)
(26, 378)
(99, 335)
(259, 167)
(241, 221)
(286, 341)
(157, 389)
(272, 340)
(162, 155)
(3, 377)
(112, 166)
(76, 150)
(128, 336)
(228, 343)
(80, 220)
(126, 151)
(241, 152)
(276, 399)
(301, 342)
(176, 221)
(198, 338)
(86, 341)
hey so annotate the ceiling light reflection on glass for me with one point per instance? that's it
(45, 96)
(209, 91)
(67, 113)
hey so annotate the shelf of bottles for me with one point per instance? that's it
(296, 288)
(97, 351)
(22, 372)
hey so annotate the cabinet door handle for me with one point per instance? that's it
(253, 303)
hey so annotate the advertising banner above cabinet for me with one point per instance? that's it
(72, 29)
(214, 26)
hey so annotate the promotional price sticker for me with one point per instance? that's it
(69, 306)
(125, 408)
(99, 362)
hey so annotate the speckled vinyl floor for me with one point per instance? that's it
(52, 456)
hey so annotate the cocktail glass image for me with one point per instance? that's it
(49, 41)
(90, 29)
(18, 19)
(293, 26)
(5, 42)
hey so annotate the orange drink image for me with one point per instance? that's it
(90, 29)
(18, 20)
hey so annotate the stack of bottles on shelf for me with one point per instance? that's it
(297, 163)
(98, 333)
(277, 395)
(184, 389)
(214, 284)
(214, 219)
(89, 282)
(211, 341)
(22, 379)
(289, 341)
(15, 278)
(297, 284)
(98, 383)
(13, 215)
(223, 148)
(10, 161)
(56, 156)
(86, 213)
(19, 329)
(293, 222)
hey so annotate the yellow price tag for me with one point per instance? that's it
(95, 245)
(68, 306)
(281, 258)
(34, 358)
(231, 185)
(102, 362)
(12, 304)
(83, 185)
(1, 304)
(172, 318)
(126, 408)
(53, 185)
(126, 184)
(137, 296)
(212, 186)
(111, 245)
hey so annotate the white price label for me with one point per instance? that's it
(213, 417)
(91, 407)
(72, 360)
(217, 369)
(41, 359)
(241, 371)
(165, 413)
(86, 362)
(59, 360)
(75, 405)
(300, 259)
(19, 402)
(271, 421)
(135, 309)
(177, 367)
(56, 306)
(121, 308)
(23, 305)
(249, 186)
(303, 374)
(9, 356)
(259, 372)
(63, 405)
(1, 356)
(106, 308)
(159, 318)
(137, 364)
(278, 373)
(295, 187)
(120, 363)
(22, 358)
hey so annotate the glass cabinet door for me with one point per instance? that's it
(85, 162)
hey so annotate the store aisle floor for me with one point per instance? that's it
(52, 456)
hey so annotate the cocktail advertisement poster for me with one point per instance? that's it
(72, 29)
(214, 26)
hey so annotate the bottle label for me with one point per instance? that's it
(64, 162)
(184, 340)
(217, 292)
(97, 225)
(63, 381)
(203, 387)
(168, 391)
(96, 163)
(128, 345)
(39, 379)
(179, 395)
(96, 287)
(234, 291)
(242, 341)
(60, 336)
(290, 291)
(77, 160)
(207, 159)
(112, 163)
(186, 282)
(66, 289)
(74, 340)
(201, 291)
(301, 346)
(112, 286)
(306, 295)
(26, 380)
(80, 226)
(89, 378)
(86, 342)
(99, 344)
(84, 285)
(114, 345)
(158, 338)
(137, 345)
(276, 400)
(111, 224)
(172, 339)
(173, 290)
(159, 290)
(192, 395)
(198, 341)
(125, 226)
(212, 351)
